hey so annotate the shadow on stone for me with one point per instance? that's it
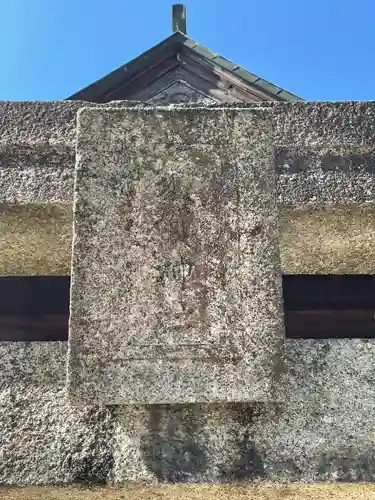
(249, 464)
(177, 448)
(171, 449)
(347, 466)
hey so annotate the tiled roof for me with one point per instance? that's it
(174, 44)
(251, 78)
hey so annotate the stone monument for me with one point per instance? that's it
(176, 279)
(174, 228)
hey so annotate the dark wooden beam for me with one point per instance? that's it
(37, 308)
(329, 323)
(34, 295)
(49, 327)
(298, 324)
(34, 308)
(336, 292)
(153, 72)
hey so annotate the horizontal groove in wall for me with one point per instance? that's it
(36, 308)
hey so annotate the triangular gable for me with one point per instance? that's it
(179, 69)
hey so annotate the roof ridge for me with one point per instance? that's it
(175, 42)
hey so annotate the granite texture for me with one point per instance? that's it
(325, 153)
(327, 240)
(323, 178)
(176, 281)
(37, 150)
(43, 439)
(36, 240)
(36, 124)
(37, 186)
(41, 137)
(323, 432)
(326, 431)
(339, 128)
(316, 173)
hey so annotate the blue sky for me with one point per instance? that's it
(318, 49)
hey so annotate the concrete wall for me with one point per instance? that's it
(324, 431)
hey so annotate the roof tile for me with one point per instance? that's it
(190, 43)
(288, 96)
(221, 61)
(246, 75)
(203, 51)
(269, 87)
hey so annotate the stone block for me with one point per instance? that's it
(44, 440)
(176, 282)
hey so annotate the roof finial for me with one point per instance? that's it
(179, 18)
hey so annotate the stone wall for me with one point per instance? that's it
(324, 184)
(324, 151)
(323, 431)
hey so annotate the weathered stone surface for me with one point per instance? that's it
(339, 128)
(325, 429)
(321, 180)
(43, 439)
(323, 432)
(35, 240)
(38, 186)
(37, 150)
(37, 124)
(337, 240)
(325, 153)
(176, 281)
(314, 173)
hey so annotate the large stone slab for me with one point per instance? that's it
(176, 281)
